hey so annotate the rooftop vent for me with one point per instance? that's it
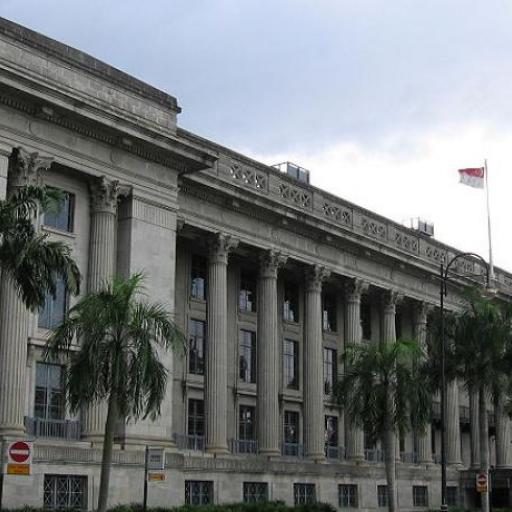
(294, 171)
(422, 226)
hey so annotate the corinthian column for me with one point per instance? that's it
(104, 198)
(267, 416)
(354, 289)
(420, 332)
(453, 455)
(475, 428)
(217, 346)
(14, 317)
(502, 434)
(313, 365)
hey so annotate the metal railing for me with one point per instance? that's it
(186, 442)
(55, 429)
(409, 457)
(335, 452)
(374, 456)
(292, 450)
(243, 446)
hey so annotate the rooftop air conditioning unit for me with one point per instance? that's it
(294, 171)
(424, 227)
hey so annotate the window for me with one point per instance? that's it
(49, 403)
(366, 320)
(198, 492)
(420, 495)
(291, 303)
(382, 496)
(196, 347)
(329, 313)
(291, 364)
(398, 325)
(331, 431)
(255, 492)
(291, 427)
(247, 298)
(247, 356)
(347, 495)
(198, 278)
(304, 494)
(63, 218)
(452, 496)
(330, 370)
(246, 423)
(195, 417)
(55, 308)
(65, 492)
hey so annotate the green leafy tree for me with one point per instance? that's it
(381, 392)
(28, 257)
(118, 360)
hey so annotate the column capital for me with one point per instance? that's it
(421, 310)
(25, 168)
(391, 298)
(354, 288)
(315, 275)
(270, 262)
(220, 245)
(105, 194)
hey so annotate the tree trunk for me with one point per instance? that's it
(484, 444)
(108, 443)
(389, 439)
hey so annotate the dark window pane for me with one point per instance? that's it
(55, 308)
(195, 417)
(347, 496)
(420, 495)
(291, 427)
(329, 313)
(330, 370)
(63, 218)
(366, 320)
(198, 492)
(291, 364)
(246, 423)
(49, 393)
(382, 496)
(291, 303)
(196, 344)
(331, 431)
(198, 275)
(247, 298)
(247, 356)
(255, 492)
(304, 494)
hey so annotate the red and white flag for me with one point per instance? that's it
(474, 177)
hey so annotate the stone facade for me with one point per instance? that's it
(269, 278)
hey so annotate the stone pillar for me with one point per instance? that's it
(502, 434)
(102, 252)
(14, 316)
(354, 289)
(475, 429)
(453, 455)
(420, 333)
(314, 433)
(217, 346)
(268, 366)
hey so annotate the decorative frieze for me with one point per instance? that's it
(248, 177)
(374, 228)
(298, 196)
(335, 212)
(406, 242)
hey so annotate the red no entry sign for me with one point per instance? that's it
(19, 452)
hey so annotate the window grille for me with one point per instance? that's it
(49, 403)
(452, 496)
(65, 492)
(291, 364)
(196, 347)
(382, 495)
(195, 417)
(304, 494)
(198, 492)
(255, 492)
(420, 495)
(330, 370)
(347, 495)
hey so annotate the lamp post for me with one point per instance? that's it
(443, 274)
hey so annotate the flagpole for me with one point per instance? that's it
(491, 266)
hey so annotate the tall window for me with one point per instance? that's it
(246, 423)
(49, 401)
(291, 427)
(198, 274)
(331, 431)
(366, 320)
(347, 495)
(195, 417)
(420, 495)
(63, 218)
(247, 298)
(398, 325)
(291, 302)
(291, 364)
(196, 347)
(330, 370)
(382, 496)
(65, 492)
(247, 356)
(304, 494)
(255, 492)
(452, 496)
(198, 492)
(55, 308)
(329, 313)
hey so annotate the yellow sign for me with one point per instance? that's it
(156, 477)
(481, 482)
(18, 469)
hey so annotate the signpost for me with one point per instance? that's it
(153, 460)
(481, 482)
(19, 460)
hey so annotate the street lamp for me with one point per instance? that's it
(443, 274)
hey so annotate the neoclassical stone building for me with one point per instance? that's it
(268, 276)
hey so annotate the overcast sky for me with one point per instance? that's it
(383, 100)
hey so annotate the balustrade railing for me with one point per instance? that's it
(374, 456)
(292, 450)
(186, 442)
(55, 429)
(335, 452)
(243, 446)
(409, 457)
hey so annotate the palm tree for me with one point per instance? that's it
(381, 392)
(117, 360)
(32, 260)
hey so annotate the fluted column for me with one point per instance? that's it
(453, 455)
(24, 170)
(420, 332)
(101, 269)
(354, 289)
(314, 433)
(502, 434)
(475, 428)
(217, 345)
(268, 367)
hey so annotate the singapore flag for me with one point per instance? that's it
(474, 177)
